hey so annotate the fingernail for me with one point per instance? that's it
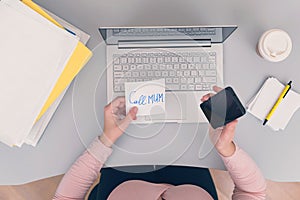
(135, 109)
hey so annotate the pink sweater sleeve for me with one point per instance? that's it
(247, 177)
(80, 177)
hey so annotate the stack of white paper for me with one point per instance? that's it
(40, 126)
(264, 100)
(33, 54)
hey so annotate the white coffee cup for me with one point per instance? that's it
(274, 45)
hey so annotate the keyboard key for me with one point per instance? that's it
(132, 67)
(172, 73)
(140, 67)
(212, 59)
(198, 66)
(167, 59)
(150, 73)
(127, 74)
(196, 59)
(194, 73)
(154, 67)
(174, 59)
(203, 59)
(176, 66)
(145, 60)
(205, 66)
(209, 79)
(183, 66)
(157, 73)
(123, 60)
(172, 87)
(147, 67)
(169, 80)
(131, 80)
(135, 74)
(125, 67)
(198, 87)
(159, 60)
(191, 87)
(186, 73)
(117, 88)
(117, 67)
(212, 66)
(165, 73)
(201, 73)
(153, 60)
(117, 81)
(175, 80)
(169, 67)
(183, 87)
(118, 74)
(162, 67)
(190, 80)
(130, 60)
(143, 73)
(198, 80)
(210, 73)
(116, 61)
(179, 73)
(181, 60)
(138, 60)
(191, 66)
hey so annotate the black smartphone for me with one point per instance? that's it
(222, 108)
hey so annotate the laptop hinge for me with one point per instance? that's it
(163, 44)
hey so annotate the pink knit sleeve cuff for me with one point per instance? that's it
(233, 157)
(99, 151)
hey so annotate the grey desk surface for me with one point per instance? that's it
(79, 117)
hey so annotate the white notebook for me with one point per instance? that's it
(264, 100)
(33, 55)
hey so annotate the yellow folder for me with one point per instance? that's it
(79, 58)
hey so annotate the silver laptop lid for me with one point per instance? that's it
(213, 34)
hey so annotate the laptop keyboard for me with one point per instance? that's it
(194, 71)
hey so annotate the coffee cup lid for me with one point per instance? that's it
(275, 45)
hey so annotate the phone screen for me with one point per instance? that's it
(223, 108)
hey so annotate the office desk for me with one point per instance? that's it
(79, 118)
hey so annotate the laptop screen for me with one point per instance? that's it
(112, 35)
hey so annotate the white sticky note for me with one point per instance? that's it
(265, 99)
(148, 96)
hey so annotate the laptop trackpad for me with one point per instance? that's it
(175, 108)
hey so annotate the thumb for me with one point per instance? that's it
(230, 127)
(129, 117)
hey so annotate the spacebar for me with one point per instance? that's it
(172, 87)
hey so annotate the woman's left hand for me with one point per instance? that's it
(116, 120)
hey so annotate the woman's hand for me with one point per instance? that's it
(115, 121)
(222, 137)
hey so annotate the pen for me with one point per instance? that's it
(69, 31)
(282, 95)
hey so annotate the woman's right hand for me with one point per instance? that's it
(222, 137)
(116, 120)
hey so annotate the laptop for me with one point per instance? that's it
(189, 58)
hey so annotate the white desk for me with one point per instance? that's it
(75, 123)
